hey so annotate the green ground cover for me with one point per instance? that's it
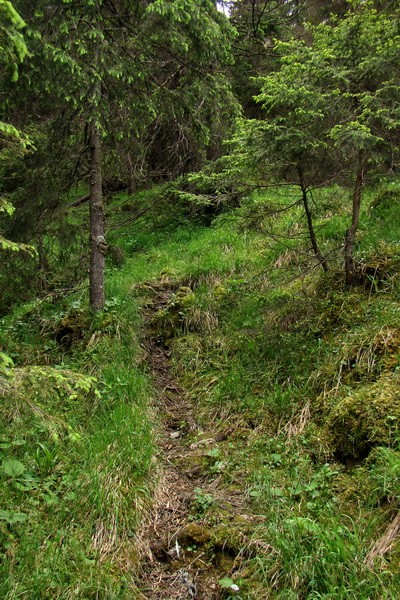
(304, 371)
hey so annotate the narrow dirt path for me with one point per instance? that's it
(184, 551)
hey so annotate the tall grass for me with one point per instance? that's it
(85, 454)
(277, 358)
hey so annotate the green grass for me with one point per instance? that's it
(85, 447)
(302, 371)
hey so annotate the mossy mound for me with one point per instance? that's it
(167, 321)
(72, 328)
(196, 533)
(222, 537)
(366, 418)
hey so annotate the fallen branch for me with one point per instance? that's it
(134, 217)
(64, 291)
(79, 201)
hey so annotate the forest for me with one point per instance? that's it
(199, 300)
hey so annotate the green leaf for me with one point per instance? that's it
(276, 458)
(11, 518)
(214, 452)
(13, 468)
(19, 442)
(6, 360)
(303, 524)
(226, 582)
(296, 490)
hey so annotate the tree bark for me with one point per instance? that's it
(351, 231)
(98, 244)
(43, 265)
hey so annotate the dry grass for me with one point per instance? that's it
(297, 425)
(364, 354)
(384, 545)
(197, 319)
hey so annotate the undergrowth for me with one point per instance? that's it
(295, 378)
(304, 373)
(75, 450)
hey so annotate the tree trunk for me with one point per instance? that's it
(43, 265)
(98, 244)
(351, 231)
(311, 232)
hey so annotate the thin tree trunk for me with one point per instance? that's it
(311, 232)
(43, 265)
(351, 231)
(98, 244)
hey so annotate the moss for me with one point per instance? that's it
(219, 292)
(163, 325)
(167, 321)
(72, 327)
(184, 298)
(191, 461)
(197, 533)
(351, 488)
(364, 419)
(228, 538)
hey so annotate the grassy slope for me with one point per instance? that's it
(84, 446)
(304, 372)
(307, 373)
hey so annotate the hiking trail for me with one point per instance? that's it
(184, 550)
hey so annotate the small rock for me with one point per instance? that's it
(175, 435)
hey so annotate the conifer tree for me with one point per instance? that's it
(13, 50)
(114, 67)
(331, 112)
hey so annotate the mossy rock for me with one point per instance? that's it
(359, 355)
(228, 538)
(166, 322)
(221, 537)
(72, 327)
(196, 533)
(184, 298)
(163, 325)
(368, 417)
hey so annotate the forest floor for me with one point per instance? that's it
(226, 430)
(187, 550)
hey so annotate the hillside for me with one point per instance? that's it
(226, 428)
(199, 300)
